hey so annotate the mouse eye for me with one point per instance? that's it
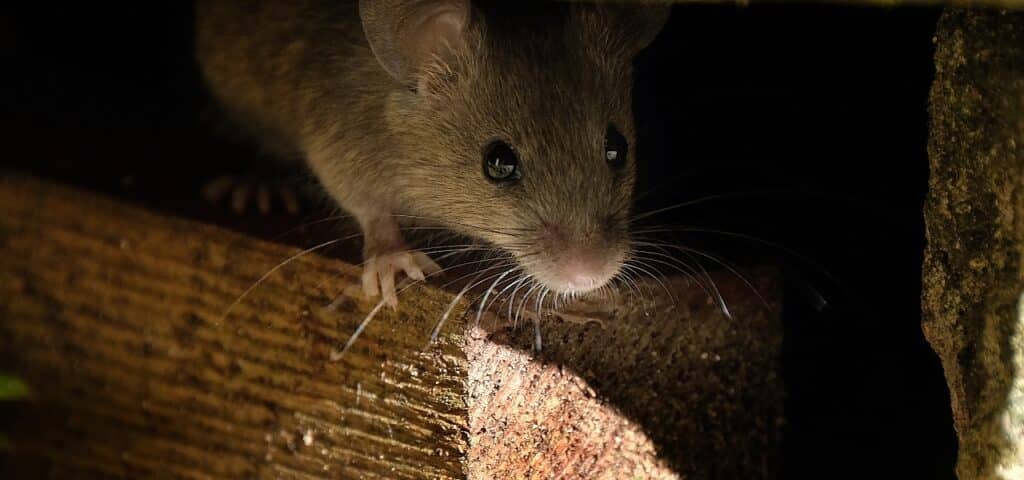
(616, 147)
(501, 164)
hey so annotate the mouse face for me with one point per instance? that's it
(529, 118)
(546, 148)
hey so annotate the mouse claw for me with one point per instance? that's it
(240, 198)
(240, 193)
(263, 199)
(290, 200)
(380, 270)
(215, 190)
(370, 285)
(425, 264)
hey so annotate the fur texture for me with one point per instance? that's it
(547, 78)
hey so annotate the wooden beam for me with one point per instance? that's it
(115, 316)
(663, 388)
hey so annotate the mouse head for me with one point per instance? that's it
(517, 124)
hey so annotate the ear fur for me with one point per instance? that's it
(406, 35)
(626, 27)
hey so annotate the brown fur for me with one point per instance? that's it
(545, 77)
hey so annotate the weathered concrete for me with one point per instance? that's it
(974, 262)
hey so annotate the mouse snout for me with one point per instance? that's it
(584, 271)
(577, 261)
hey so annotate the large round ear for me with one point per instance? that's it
(645, 23)
(628, 27)
(406, 35)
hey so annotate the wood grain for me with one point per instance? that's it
(116, 318)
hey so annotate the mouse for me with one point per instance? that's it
(509, 123)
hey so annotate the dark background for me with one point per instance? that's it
(813, 121)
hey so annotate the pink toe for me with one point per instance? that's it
(426, 264)
(370, 280)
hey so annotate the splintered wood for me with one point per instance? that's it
(658, 388)
(115, 316)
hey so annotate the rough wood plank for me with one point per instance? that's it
(665, 388)
(974, 264)
(114, 315)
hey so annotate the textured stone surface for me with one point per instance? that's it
(974, 262)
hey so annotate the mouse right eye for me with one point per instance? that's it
(501, 164)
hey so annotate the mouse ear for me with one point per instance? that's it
(629, 27)
(646, 22)
(406, 35)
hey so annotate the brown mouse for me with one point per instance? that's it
(508, 122)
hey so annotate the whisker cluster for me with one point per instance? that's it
(502, 283)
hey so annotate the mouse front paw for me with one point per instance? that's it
(379, 272)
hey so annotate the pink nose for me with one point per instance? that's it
(580, 276)
(584, 274)
(577, 263)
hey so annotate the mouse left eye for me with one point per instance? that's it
(615, 147)
(501, 164)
